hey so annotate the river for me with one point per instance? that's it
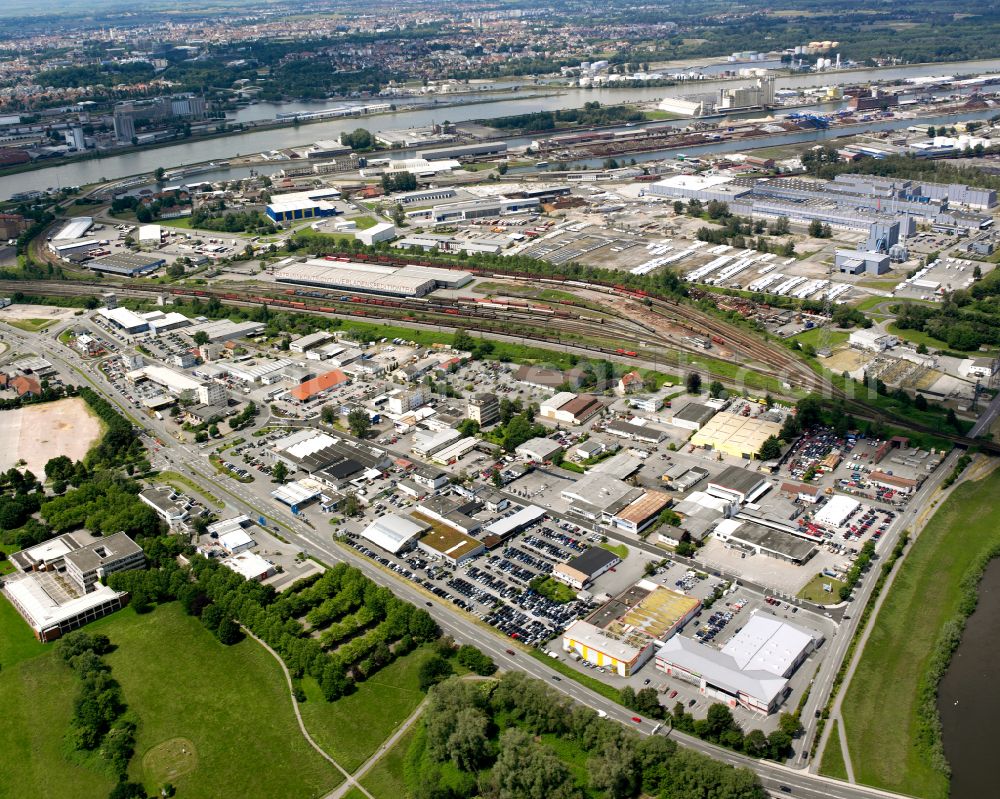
(199, 150)
(969, 697)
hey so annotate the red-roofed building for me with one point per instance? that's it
(26, 385)
(326, 381)
(630, 382)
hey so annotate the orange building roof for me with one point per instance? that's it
(325, 381)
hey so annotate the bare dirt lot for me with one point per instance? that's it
(38, 433)
(50, 312)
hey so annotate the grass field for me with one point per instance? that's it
(352, 729)
(385, 780)
(30, 325)
(621, 550)
(917, 337)
(230, 705)
(813, 336)
(833, 756)
(813, 590)
(36, 704)
(924, 596)
(364, 222)
(17, 641)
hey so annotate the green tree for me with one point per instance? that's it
(715, 389)
(279, 472)
(228, 632)
(200, 338)
(816, 229)
(432, 671)
(693, 383)
(770, 450)
(359, 421)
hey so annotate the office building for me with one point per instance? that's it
(484, 409)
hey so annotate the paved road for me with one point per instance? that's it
(194, 463)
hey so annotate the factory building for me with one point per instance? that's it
(858, 262)
(406, 281)
(486, 148)
(750, 671)
(480, 209)
(759, 93)
(129, 264)
(759, 540)
(850, 201)
(738, 485)
(383, 231)
(624, 633)
(736, 435)
(872, 340)
(297, 206)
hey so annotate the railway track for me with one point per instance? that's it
(527, 323)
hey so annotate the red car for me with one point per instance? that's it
(637, 720)
(673, 694)
(510, 651)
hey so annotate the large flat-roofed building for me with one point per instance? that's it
(692, 416)
(699, 187)
(464, 151)
(750, 671)
(125, 320)
(837, 510)
(50, 613)
(857, 262)
(622, 634)
(582, 570)
(738, 485)
(250, 566)
(113, 553)
(768, 541)
(736, 435)
(129, 264)
(405, 281)
(394, 533)
(450, 545)
(221, 330)
(481, 209)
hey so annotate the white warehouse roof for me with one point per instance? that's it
(74, 229)
(392, 533)
(835, 512)
(768, 644)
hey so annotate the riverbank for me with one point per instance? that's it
(892, 730)
(243, 129)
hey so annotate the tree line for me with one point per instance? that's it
(503, 739)
(283, 622)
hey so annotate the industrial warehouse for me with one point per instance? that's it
(751, 670)
(406, 281)
(621, 635)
